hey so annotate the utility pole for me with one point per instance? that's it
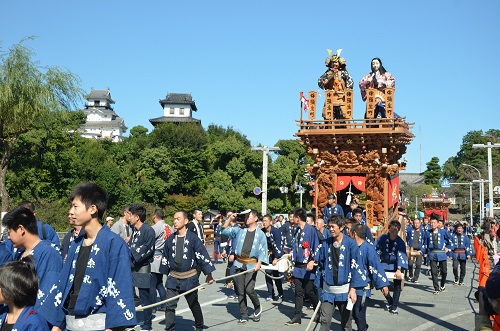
(481, 191)
(265, 150)
(489, 146)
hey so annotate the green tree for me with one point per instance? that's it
(27, 90)
(433, 173)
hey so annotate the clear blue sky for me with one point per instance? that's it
(245, 62)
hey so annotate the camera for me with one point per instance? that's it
(487, 305)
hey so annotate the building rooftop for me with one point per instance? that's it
(179, 98)
(99, 94)
(173, 119)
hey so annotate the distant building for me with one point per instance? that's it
(102, 121)
(177, 108)
(412, 178)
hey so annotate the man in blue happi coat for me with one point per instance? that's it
(250, 251)
(337, 275)
(415, 236)
(275, 250)
(183, 256)
(461, 252)
(332, 207)
(305, 246)
(392, 251)
(94, 288)
(142, 249)
(371, 270)
(21, 226)
(437, 244)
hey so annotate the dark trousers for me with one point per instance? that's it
(394, 300)
(217, 250)
(246, 286)
(304, 287)
(456, 263)
(359, 314)
(434, 272)
(278, 282)
(327, 309)
(417, 262)
(192, 301)
(145, 299)
(157, 285)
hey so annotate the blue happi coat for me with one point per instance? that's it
(347, 269)
(308, 237)
(328, 211)
(48, 265)
(465, 244)
(142, 249)
(444, 241)
(259, 246)
(107, 284)
(370, 268)
(274, 244)
(194, 255)
(410, 231)
(394, 258)
(29, 320)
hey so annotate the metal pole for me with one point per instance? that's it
(481, 194)
(489, 146)
(470, 193)
(490, 178)
(265, 150)
(264, 181)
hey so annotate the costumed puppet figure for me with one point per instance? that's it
(378, 78)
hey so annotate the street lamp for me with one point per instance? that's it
(265, 150)
(481, 192)
(489, 146)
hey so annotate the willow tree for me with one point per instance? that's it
(27, 90)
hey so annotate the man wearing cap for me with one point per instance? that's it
(250, 249)
(332, 207)
(109, 221)
(461, 252)
(415, 240)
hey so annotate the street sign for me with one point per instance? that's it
(257, 190)
(445, 183)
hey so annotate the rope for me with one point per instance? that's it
(269, 276)
(191, 290)
(313, 317)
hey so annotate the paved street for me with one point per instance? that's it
(419, 309)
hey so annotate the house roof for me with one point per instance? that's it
(179, 99)
(102, 110)
(117, 123)
(173, 119)
(99, 94)
(412, 178)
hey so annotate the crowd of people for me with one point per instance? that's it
(99, 275)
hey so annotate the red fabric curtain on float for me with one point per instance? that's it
(443, 213)
(359, 182)
(343, 182)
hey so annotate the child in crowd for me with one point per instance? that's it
(18, 291)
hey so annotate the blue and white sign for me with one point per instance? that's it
(257, 191)
(445, 183)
